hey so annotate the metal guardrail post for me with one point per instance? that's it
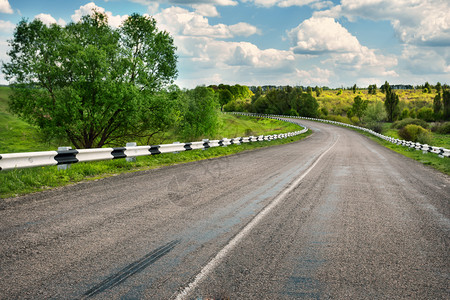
(63, 167)
(131, 158)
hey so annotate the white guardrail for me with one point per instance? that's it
(64, 157)
(442, 152)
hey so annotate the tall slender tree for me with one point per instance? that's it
(446, 102)
(391, 103)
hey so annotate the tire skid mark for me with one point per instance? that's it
(131, 269)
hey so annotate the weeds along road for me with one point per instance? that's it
(332, 216)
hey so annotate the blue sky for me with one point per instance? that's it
(281, 42)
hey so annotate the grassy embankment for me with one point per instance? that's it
(18, 136)
(339, 104)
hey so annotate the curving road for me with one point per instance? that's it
(332, 216)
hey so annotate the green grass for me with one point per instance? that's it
(22, 181)
(430, 159)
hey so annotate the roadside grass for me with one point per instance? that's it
(430, 159)
(23, 181)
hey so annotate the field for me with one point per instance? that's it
(339, 104)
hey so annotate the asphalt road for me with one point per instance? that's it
(334, 216)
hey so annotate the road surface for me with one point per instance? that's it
(334, 216)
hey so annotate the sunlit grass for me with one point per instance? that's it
(22, 181)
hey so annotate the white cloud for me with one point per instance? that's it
(244, 29)
(114, 21)
(5, 7)
(322, 35)
(206, 10)
(182, 22)
(426, 60)
(420, 22)
(6, 26)
(316, 76)
(48, 19)
(213, 53)
(325, 38)
(317, 4)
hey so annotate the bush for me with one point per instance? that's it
(426, 113)
(402, 123)
(291, 112)
(442, 128)
(339, 119)
(375, 126)
(415, 133)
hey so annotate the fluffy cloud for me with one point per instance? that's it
(180, 21)
(426, 60)
(316, 76)
(213, 53)
(114, 21)
(189, 2)
(322, 35)
(420, 22)
(48, 19)
(206, 10)
(5, 7)
(317, 4)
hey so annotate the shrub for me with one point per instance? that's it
(442, 128)
(339, 119)
(414, 133)
(402, 123)
(404, 114)
(375, 126)
(426, 113)
(291, 112)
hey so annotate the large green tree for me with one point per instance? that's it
(88, 82)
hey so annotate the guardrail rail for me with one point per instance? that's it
(66, 157)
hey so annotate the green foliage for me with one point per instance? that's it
(427, 88)
(437, 105)
(446, 103)
(391, 103)
(442, 128)
(415, 133)
(339, 92)
(372, 90)
(438, 87)
(286, 101)
(404, 114)
(359, 107)
(426, 114)
(88, 82)
(225, 97)
(200, 113)
(408, 121)
(318, 91)
(308, 106)
(339, 119)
